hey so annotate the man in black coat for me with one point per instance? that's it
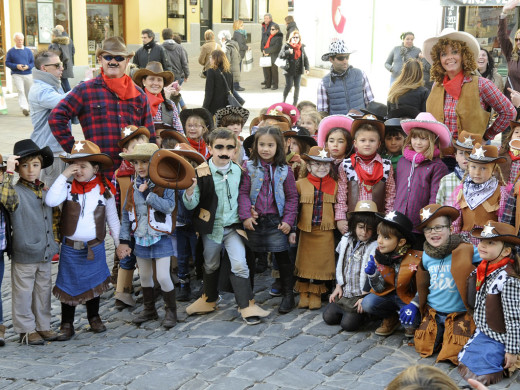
(151, 51)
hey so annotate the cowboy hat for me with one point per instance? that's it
(427, 121)
(363, 206)
(27, 147)
(114, 46)
(400, 222)
(403, 112)
(187, 151)
(450, 33)
(140, 152)
(153, 68)
(180, 138)
(466, 141)
(379, 110)
(497, 231)
(368, 119)
(287, 109)
(331, 122)
(300, 133)
(277, 115)
(485, 154)
(318, 154)
(201, 112)
(222, 112)
(89, 151)
(337, 46)
(130, 132)
(433, 211)
(170, 170)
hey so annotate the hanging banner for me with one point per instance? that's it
(479, 3)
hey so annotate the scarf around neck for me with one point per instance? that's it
(367, 180)
(87, 186)
(453, 86)
(123, 87)
(297, 50)
(514, 154)
(445, 249)
(459, 172)
(485, 268)
(149, 45)
(125, 169)
(155, 101)
(200, 146)
(388, 259)
(476, 194)
(326, 184)
(268, 41)
(417, 158)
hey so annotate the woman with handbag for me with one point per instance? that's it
(297, 63)
(219, 82)
(271, 49)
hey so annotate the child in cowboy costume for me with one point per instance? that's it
(446, 263)
(88, 205)
(391, 274)
(233, 118)
(493, 350)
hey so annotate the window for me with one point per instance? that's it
(104, 20)
(41, 16)
(176, 11)
(237, 9)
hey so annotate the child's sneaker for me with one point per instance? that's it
(55, 258)
(276, 288)
(389, 325)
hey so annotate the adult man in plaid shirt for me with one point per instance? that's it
(104, 105)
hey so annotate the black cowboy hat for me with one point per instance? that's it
(399, 221)
(27, 147)
(201, 111)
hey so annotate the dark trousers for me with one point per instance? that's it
(65, 85)
(291, 79)
(271, 76)
(68, 311)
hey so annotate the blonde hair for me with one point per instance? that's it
(313, 115)
(514, 54)
(220, 60)
(292, 34)
(421, 377)
(209, 35)
(238, 24)
(411, 77)
(423, 134)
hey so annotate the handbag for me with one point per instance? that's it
(280, 62)
(231, 99)
(265, 62)
(247, 64)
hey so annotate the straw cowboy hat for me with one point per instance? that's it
(170, 170)
(485, 154)
(140, 152)
(433, 211)
(89, 151)
(153, 68)
(498, 231)
(427, 121)
(114, 46)
(450, 33)
(130, 132)
(27, 147)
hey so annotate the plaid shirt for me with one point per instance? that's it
(509, 288)
(317, 209)
(515, 168)
(102, 115)
(446, 187)
(323, 99)
(509, 212)
(177, 125)
(490, 96)
(341, 207)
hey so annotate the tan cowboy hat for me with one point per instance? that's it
(187, 151)
(450, 33)
(278, 116)
(115, 46)
(140, 152)
(485, 154)
(466, 141)
(497, 231)
(432, 211)
(130, 132)
(89, 151)
(363, 206)
(168, 169)
(153, 68)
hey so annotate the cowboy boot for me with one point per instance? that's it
(208, 301)
(170, 309)
(149, 312)
(250, 312)
(303, 289)
(286, 277)
(123, 293)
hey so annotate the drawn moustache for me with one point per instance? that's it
(113, 65)
(224, 157)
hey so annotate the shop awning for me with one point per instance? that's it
(479, 3)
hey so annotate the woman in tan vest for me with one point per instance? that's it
(459, 98)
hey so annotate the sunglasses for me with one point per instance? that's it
(341, 58)
(517, 39)
(117, 58)
(220, 147)
(57, 65)
(295, 37)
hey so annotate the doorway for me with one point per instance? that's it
(205, 18)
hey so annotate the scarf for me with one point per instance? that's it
(155, 101)
(453, 86)
(367, 159)
(388, 259)
(297, 50)
(242, 31)
(333, 73)
(150, 45)
(200, 146)
(514, 154)
(123, 87)
(367, 180)
(326, 184)
(485, 268)
(417, 158)
(445, 249)
(268, 41)
(459, 172)
(143, 180)
(125, 169)
(87, 186)
(476, 194)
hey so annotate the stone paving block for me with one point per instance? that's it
(211, 374)
(203, 358)
(166, 354)
(265, 344)
(340, 347)
(264, 386)
(358, 365)
(129, 350)
(194, 384)
(348, 356)
(237, 358)
(89, 370)
(302, 360)
(396, 340)
(99, 386)
(254, 330)
(161, 378)
(295, 378)
(32, 371)
(378, 379)
(295, 346)
(236, 343)
(194, 342)
(125, 374)
(4, 383)
(216, 329)
(331, 368)
(390, 363)
(322, 329)
(258, 369)
(378, 353)
(227, 383)
(341, 380)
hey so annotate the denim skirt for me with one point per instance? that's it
(162, 248)
(482, 354)
(267, 237)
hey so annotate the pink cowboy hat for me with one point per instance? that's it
(425, 120)
(287, 109)
(330, 122)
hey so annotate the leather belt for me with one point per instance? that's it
(79, 245)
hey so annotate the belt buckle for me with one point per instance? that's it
(78, 245)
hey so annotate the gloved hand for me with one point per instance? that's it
(370, 268)
(407, 314)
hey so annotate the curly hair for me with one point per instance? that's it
(469, 64)
(220, 61)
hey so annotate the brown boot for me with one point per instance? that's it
(149, 312)
(123, 293)
(314, 301)
(96, 325)
(170, 309)
(66, 332)
(2, 335)
(32, 338)
(388, 326)
(48, 335)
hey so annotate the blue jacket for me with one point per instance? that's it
(345, 92)
(19, 56)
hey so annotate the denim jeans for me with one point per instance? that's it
(186, 244)
(384, 306)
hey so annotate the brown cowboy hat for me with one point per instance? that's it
(432, 211)
(89, 151)
(187, 151)
(466, 141)
(497, 231)
(371, 119)
(318, 154)
(485, 154)
(363, 206)
(153, 68)
(115, 46)
(169, 170)
(129, 132)
(175, 135)
(278, 116)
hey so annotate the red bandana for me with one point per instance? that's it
(453, 86)
(326, 184)
(200, 146)
(123, 87)
(367, 180)
(84, 187)
(513, 157)
(125, 169)
(155, 101)
(485, 268)
(268, 41)
(297, 50)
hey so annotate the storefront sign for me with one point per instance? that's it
(480, 3)
(451, 17)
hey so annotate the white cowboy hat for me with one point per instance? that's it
(450, 33)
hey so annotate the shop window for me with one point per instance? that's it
(237, 9)
(176, 11)
(41, 16)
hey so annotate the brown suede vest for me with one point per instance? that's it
(70, 217)
(124, 182)
(461, 267)
(483, 213)
(378, 195)
(406, 287)
(470, 114)
(306, 192)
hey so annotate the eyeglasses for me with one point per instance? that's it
(58, 65)
(341, 58)
(436, 229)
(320, 165)
(117, 58)
(220, 147)
(194, 126)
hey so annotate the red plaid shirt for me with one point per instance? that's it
(490, 96)
(101, 114)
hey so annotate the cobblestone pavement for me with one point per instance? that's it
(215, 351)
